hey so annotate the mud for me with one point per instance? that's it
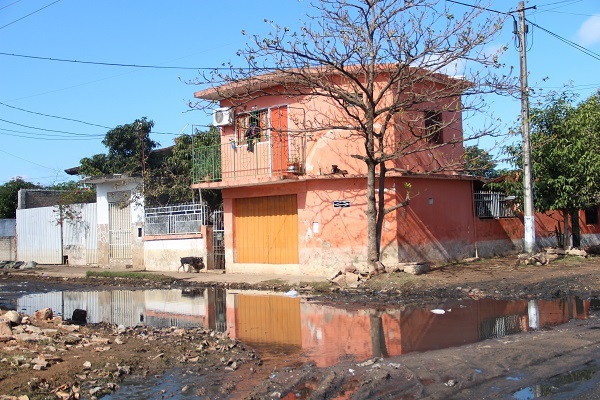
(494, 368)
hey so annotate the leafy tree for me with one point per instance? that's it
(129, 147)
(479, 162)
(565, 152)
(9, 194)
(170, 176)
(379, 62)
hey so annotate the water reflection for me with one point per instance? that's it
(323, 333)
(159, 308)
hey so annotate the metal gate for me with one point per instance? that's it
(218, 246)
(119, 232)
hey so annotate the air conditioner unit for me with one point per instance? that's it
(223, 116)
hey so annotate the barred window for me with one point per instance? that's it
(252, 125)
(493, 205)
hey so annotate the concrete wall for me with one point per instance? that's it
(162, 253)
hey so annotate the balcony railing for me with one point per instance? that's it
(271, 155)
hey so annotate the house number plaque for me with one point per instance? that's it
(341, 203)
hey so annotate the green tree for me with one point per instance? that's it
(9, 194)
(374, 60)
(565, 152)
(129, 147)
(479, 162)
(170, 176)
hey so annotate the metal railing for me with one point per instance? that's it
(270, 155)
(177, 219)
(493, 205)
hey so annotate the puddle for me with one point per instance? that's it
(279, 326)
(565, 386)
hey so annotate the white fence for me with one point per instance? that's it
(40, 238)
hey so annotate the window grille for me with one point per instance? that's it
(177, 219)
(493, 205)
(252, 126)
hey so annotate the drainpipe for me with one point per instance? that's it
(474, 218)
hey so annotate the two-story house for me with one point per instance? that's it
(294, 196)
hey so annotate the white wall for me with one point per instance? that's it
(164, 255)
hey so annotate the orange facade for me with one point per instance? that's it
(295, 197)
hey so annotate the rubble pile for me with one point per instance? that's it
(550, 254)
(17, 265)
(353, 276)
(44, 355)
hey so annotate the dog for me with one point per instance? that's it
(193, 263)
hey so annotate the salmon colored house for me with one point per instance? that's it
(294, 198)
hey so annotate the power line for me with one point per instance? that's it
(39, 136)
(47, 130)
(70, 119)
(38, 10)
(479, 7)
(54, 116)
(116, 64)
(567, 41)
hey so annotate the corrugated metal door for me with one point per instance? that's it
(38, 236)
(266, 230)
(119, 231)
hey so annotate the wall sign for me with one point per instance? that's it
(341, 203)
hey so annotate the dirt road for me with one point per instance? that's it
(561, 361)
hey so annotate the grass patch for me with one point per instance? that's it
(128, 275)
(393, 281)
(319, 286)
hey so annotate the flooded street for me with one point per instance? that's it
(312, 331)
(289, 331)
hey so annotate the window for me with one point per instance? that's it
(258, 121)
(493, 205)
(591, 215)
(433, 127)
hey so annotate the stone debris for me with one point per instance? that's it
(17, 264)
(38, 344)
(548, 255)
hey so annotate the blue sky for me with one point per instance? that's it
(190, 33)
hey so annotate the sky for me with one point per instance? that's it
(54, 113)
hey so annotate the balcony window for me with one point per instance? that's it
(252, 126)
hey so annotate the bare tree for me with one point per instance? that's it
(384, 65)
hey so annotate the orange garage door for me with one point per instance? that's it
(266, 230)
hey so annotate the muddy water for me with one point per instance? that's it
(292, 330)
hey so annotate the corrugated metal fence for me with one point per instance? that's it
(39, 234)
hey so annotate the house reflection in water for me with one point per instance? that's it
(325, 333)
(159, 308)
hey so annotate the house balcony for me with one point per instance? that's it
(270, 156)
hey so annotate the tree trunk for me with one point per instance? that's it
(372, 247)
(575, 226)
(567, 231)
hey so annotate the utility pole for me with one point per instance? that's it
(529, 219)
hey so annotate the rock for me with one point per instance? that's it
(416, 269)
(338, 273)
(576, 252)
(13, 316)
(87, 365)
(38, 367)
(350, 268)
(43, 314)
(79, 316)
(5, 328)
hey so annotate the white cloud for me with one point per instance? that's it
(589, 32)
